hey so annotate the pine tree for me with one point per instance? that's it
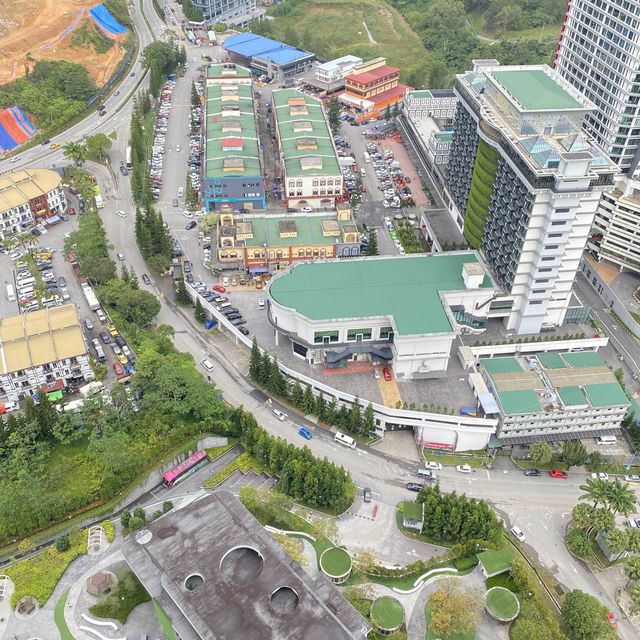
(265, 369)
(321, 406)
(182, 296)
(355, 416)
(125, 274)
(332, 410)
(133, 278)
(297, 394)
(308, 401)
(368, 420)
(255, 361)
(372, 248)
(200, 314)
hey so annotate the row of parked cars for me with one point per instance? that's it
(164, 109)
(393, 183)
(216, 296)
(27, 283)
(124, 356)
(195, 142)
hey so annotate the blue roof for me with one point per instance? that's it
(250, 45)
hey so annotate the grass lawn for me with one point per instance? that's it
(335, 562)
(126, 596)
(387, 613)
(322, 28)
(453, 459)
(458, 635)
(216, 452)
(502, 603)
(58, 616)
(164, 621)
(244, 462)
(502, 580)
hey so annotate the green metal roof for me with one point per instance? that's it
(583, 359)
(309, 231)
(495, 562)
(287, 135)
(572, 396)
(501, 365)
(515, 402)
(215, 153)
(216, 71)
(535, 90)
(551, 360)
(444, 136)
(420, 93)
(403, 288)
(606, 395)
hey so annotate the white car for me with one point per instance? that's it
(518, 533)
(187, 214)
(306, 209)
(433, 465)
(281, 415)
(14, 159)
(120, 256)
(121, 213)
(401, 251)
(385, 204)
(600, 476)
(463, 468)
(632, 478)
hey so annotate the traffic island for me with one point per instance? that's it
(502, 605)
(387, 614)
(336, 564)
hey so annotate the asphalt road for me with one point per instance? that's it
(540, 506)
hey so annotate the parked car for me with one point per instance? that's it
(435, 466)
(600, 476)
(120, 256)
(557, 473)
(219, 288)
(305, 433)
(117, 367)
(463, 468)
(62, 282)
(386, 372)
(518, 533)
(243, 330)
(632, 478)
(105, 337)
(366, 494)
(414, 486)
(191, 225)
(146, 279)
(88, 324)
(186, 266)
(532, 473)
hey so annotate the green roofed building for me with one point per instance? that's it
(402, 311)
(232, 168)
(554, 396)
(311, 174)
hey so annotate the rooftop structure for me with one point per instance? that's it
(228, 71)
(524, 183)
(273, 57)
(232, 165)
(311, 172)
(232, 580)
(405, 310)
(268, 242)
(554, 396)
(41, 347)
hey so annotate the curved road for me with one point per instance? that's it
(539, 506)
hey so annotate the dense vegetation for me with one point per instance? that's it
(191, 13)
(88, 34)
(53, 91)
(119, 10)
(161, 58)
(454, 518)
(124, 598)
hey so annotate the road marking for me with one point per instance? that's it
(488, 475)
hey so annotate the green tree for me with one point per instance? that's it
(579, 543)
(632, 569)
(191, 12)
(62, 543)
(620, 497)
(372, 247)
(634, 540)
(333, 113)
(182, 296)
(135, 523)
(602, 520)
(75, 152)
(321, 406)
(574, 453)
(167, 505)
(255, 361)
(584, 616)
(596, 490)
(200, 314)
(297, 394)
(541, 452)
(453, 610)
(368, 419)
(355, 416)
(98, 145)
(582, 515)
(308, 400)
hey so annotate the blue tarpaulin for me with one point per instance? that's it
(105, 20)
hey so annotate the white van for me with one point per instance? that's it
(23, 282)
(281, 415)
(180, 192)
(518, 533)
(363, 173)
(207, 364)
(427, 474)
(11, 293)
(367, 157)
(606, 440)
(223, 306)
(345, 440)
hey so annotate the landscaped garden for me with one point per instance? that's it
(125, 597)
(387, 614)
(335, 562)
(502, 604)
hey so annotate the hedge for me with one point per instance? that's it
(109, 530)
(39, 575)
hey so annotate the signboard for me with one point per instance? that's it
(438, 445)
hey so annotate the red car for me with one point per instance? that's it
(386, 372)
(612, 620)
(556, 473)
(117, 367)
(219, 288)
(71, 211)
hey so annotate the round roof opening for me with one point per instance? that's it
(241, 566)
(193, 582)
(284, 600)
(143, 536)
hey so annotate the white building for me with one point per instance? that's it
(402, 311)
(27, 196)
(599, 54)
(311, 174)
(335, 70)
(524, 182)
(428, 116)
(42, 348)
(554, 396)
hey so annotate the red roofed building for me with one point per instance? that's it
(372, 87)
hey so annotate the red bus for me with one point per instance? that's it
(185, 469)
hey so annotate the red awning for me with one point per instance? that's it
(58, 385)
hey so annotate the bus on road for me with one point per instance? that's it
(198, 460)
(129, 161)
